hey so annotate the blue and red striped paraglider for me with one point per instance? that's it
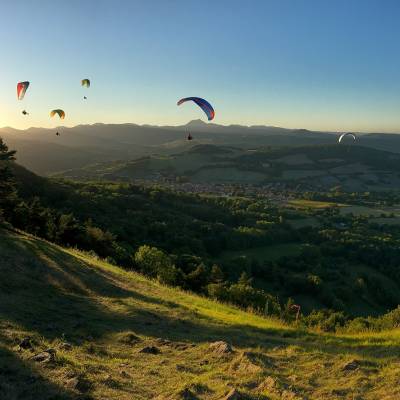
(203, 104)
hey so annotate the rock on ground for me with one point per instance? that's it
(65, 346)
(44, 356)
(186, 394)
(221, 348)
(351, 366)
(25, 344)
(233, 395)
(150, 350)
(78, 383)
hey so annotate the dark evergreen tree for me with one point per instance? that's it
(7, 183)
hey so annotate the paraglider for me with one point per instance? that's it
(189, 137)
(59, 112)
(22, 87)
(85, 83)
(203, 104)
(343, 135)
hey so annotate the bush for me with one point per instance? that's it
(359, 324)
(152, 261)
(325, 320)
(218, 291)
(170, 275)
(391, 320)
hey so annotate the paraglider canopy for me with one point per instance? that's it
(203, 104)
(343, 135)
(59, 112)
(22, 87)
(85, 82)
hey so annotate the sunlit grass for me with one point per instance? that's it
(54, 295)
(301, 203)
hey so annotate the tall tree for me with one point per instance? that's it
(7, 182)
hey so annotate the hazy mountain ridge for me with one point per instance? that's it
(43, 152)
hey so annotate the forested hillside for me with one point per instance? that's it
(336, 261)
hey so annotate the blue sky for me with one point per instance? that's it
(317, 64)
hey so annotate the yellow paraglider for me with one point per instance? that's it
(59, 112)
(85, 83)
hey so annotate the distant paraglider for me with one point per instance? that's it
(189, 137)
(203, 104)
(22, 87)
(59, 112)
(343, 135)
(85, 83)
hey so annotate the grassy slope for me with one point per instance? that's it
(53, 295)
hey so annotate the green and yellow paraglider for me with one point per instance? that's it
(58, 112)
(85, 83)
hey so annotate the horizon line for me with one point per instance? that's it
(203, 123)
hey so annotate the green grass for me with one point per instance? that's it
(53, 295)
(301, 203)
(265, 253)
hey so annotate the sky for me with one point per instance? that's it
(315, 64)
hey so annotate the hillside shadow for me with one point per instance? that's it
(61, 296)
(19, 381)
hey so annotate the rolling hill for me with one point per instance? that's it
(43, 152)
(74, 327)
(352, 167)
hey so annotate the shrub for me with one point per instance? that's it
(151, 260)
